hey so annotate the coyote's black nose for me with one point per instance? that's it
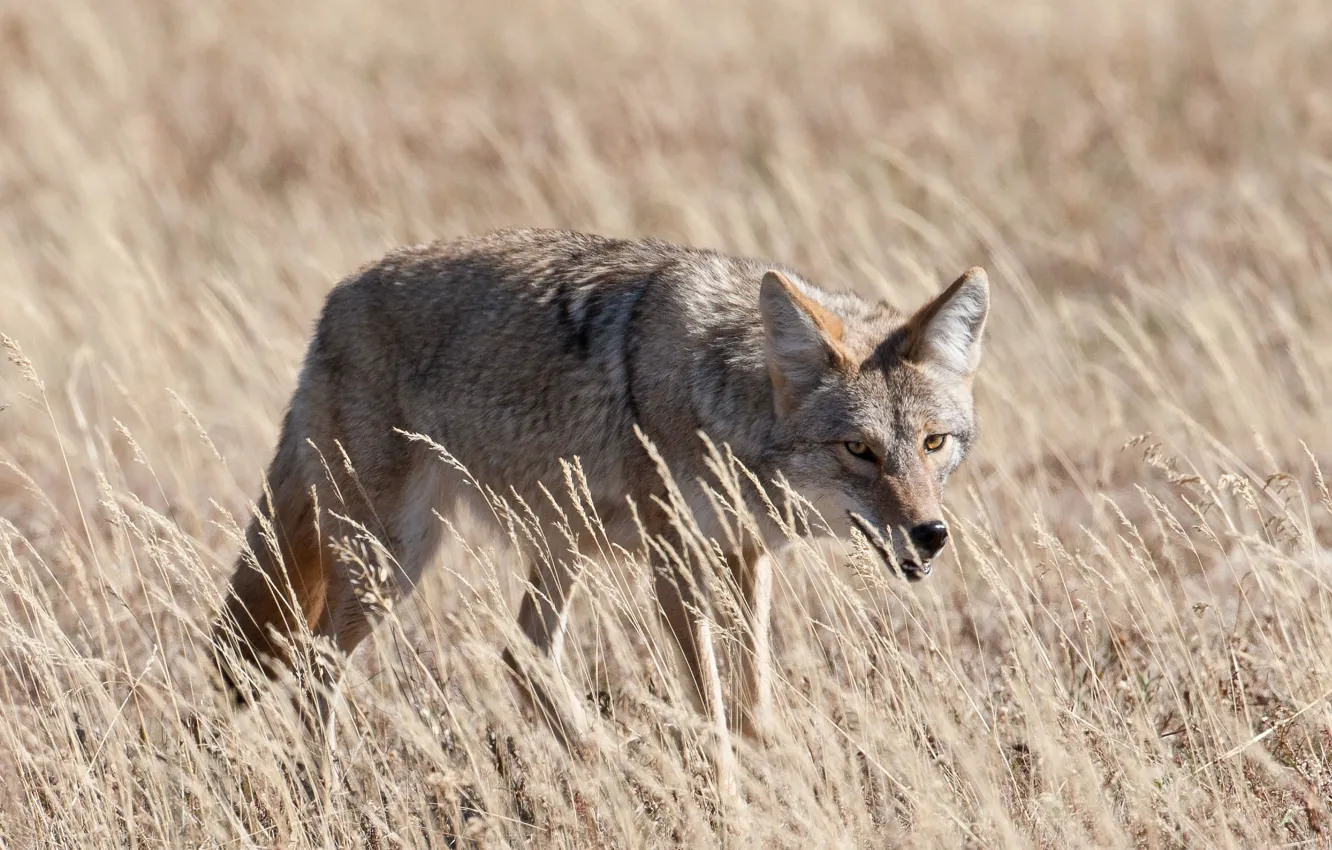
(929, 537)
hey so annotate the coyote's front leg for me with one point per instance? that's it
(680, 609)
(752, 572)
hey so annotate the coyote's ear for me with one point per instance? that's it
(803, 339)
(947, 331)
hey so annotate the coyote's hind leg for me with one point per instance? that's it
(543, 618)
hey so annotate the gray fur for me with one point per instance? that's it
(518, 348)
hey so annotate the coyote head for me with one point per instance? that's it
(873, 410)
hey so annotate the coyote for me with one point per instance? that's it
(519, 348)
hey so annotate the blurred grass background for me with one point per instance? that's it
(1129, 648)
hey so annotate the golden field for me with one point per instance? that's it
(1130, 644)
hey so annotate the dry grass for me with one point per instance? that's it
(1130, 646)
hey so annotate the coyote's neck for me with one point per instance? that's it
(732, 394)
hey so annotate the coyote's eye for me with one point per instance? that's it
(860, 450)
(934, 442)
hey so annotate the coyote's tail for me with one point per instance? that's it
(279, 588)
